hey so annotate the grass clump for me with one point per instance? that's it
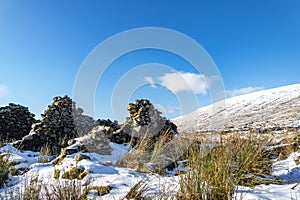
(4, 169)
(137, 191)
(65, 190)
(216, 173)
(153, 155)
(82, 175)
(31, 190)
(74, 173)
(35, 189)
(45, 152)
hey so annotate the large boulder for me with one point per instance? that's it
(15, 122)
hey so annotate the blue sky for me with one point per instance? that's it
(255, 45)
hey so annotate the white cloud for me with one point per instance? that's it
(167, 110)
(173, 110)
(185, 82)
(236, 92)
(3, 90)
(150, 80)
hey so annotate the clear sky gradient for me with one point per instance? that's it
(255, 44)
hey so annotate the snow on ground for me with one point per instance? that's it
(122, 180)
(269, 192)
(288, 172)
(266, 108)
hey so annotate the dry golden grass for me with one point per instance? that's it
(215, 174)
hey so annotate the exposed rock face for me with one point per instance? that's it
(55, 129)
(146, 121)
(139, 111)
(114, 132)
(15, 122)
(108, 123)
(62, 121)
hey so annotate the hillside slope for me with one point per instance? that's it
(266, 108)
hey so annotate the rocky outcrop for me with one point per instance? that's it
(140, 111)
(62, 121)
(55, 129)
(146, 121)
(15, 122)
(114, 132)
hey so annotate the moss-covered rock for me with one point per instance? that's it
(74, 173)
(56, 173)
(59, 159)
(82, 175)
(101, 190)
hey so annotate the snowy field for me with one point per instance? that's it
(122, 179)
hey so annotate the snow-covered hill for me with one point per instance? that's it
(266, 108)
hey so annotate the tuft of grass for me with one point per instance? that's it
(30, 190)
(13, 171)
(65, 190)
(45, 152)
(82, 175)
(153, 156)
(37, 190)
(4, 169)
(140, 155)
(215, 174)
(137, 191)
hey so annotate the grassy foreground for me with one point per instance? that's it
(213, 170)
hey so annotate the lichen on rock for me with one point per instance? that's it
(146, 121)
(74, 173)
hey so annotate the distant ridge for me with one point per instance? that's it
(266, 108)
